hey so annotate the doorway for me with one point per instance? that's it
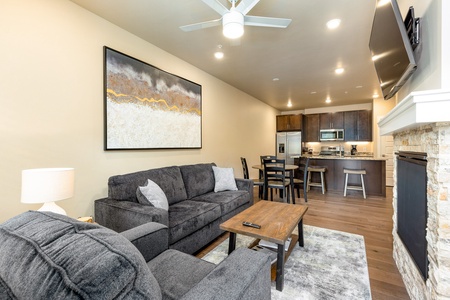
(387, 151)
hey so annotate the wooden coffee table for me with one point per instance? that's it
(277, 220)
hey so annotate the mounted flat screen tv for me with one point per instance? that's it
(391, 49)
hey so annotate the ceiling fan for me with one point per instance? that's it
(234, 19)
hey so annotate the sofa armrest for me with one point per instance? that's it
(245, 274)
(123, 215)
(246, 185)
(150, 239)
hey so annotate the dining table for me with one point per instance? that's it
(289, 169)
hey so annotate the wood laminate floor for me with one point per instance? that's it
(371, 218)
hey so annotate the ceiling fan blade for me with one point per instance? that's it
(246, 5)
(201, 25)
(266, 22)
(217, 6)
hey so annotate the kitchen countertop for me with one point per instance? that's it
(350, 157)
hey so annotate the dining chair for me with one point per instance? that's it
(301, 179)
(275, 178)
(259, 182)
(261, 172)
(263, 157)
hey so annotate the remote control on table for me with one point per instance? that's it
(251, 225)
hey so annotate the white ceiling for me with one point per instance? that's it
(303, 56)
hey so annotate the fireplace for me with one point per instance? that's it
(421, 123)
(412, 206)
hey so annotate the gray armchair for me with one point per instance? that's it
(49, 256)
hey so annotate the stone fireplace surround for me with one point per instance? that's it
(421, 123)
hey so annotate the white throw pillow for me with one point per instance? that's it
(154, 194)
(224, 178)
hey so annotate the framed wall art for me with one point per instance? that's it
(148, 108)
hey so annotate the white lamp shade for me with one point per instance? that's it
(47, 185)
(233, 24)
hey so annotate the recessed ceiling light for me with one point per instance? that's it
(333, 24)
(339, 71)
(359, 86)
(328, 100)
(276, 79)
(289, 103)
(219, 54)
(313, 92)
(383, 2)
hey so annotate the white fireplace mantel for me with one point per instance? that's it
(417, 109)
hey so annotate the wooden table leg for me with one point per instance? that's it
(232, 242)
(280, 268)
(300, 233)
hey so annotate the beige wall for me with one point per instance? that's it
(51, 97)
(380, 109)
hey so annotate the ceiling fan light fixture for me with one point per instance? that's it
(233, 24)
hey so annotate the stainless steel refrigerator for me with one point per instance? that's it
(289, 146)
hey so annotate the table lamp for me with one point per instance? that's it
(47, 186)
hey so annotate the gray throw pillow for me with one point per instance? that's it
(152, 194)
(224, 178)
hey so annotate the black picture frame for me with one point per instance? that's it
(148, 108)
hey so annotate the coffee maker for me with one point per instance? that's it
(354, 150)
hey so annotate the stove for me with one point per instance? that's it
(331, 150)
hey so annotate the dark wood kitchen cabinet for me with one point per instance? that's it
(365, 125)
(332, 120)
(311, 128)
(289, 123)
(358, 125)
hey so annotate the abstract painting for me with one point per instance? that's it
(148, 108)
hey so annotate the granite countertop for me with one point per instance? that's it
(354, 157)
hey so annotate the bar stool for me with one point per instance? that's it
(354, 187)
(321, 170)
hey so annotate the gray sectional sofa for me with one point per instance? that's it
(195, 210)
(49, 256)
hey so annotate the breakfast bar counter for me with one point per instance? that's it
(375, 179)
(348, 157)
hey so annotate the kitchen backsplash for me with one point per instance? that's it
(363, 147)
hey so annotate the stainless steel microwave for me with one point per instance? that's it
(331, 135)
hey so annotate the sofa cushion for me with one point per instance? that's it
(228, 200)
(169, 179)
(51, 256)
(198, 179)
(178, 272)
(189, 216)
